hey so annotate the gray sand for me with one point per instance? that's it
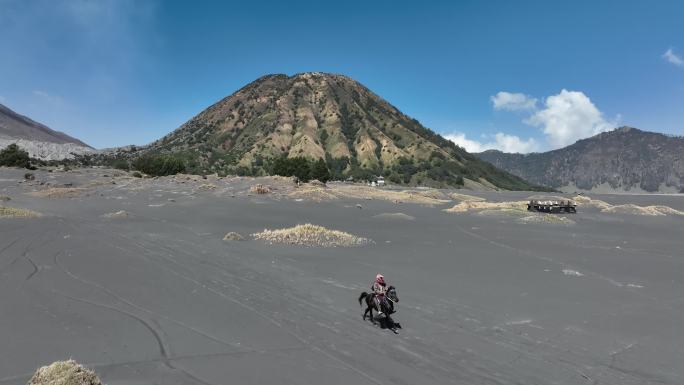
(159, 297)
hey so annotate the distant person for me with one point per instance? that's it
(379, 289)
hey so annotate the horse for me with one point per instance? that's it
(387, 306)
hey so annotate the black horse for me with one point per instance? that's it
(387, 306)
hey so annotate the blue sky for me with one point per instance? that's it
(515, 75)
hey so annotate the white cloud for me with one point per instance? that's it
(673, 58)
(461, 140)
(512, 143)
(568, 117)
(502, 142)
(513, 101)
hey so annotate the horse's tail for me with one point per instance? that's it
(362, 296)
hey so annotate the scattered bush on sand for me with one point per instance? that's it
(582, 200)
(137, 174)
(313, 192)
(64, 373)
(365, 192)
(60, 192)
(121, 214)
(516, 212)
(311, 235)
(5, 198)
(260, 189)
(13, 212)
(431, 193)
(632, 209)
(207, 186)
(29, 176)
(667, 210)
(629, 208)
(233, 236)
(398, 216)
(467, 206)
(465, 197)
(547, 219)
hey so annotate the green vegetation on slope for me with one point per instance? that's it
(13, 156)
(159, 165)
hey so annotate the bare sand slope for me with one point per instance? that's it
(160, 297)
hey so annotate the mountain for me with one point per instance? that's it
(324, 116)
(39, 140)
(625, 159)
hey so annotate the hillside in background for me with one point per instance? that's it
(39, 140)
(623, 160)
(324, 116)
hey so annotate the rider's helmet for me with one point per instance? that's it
(380, 279)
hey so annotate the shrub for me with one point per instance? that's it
(297, 166)
(159, 165)
(121, 164)
(137, 174)
(320, 171)
(64, 372)
(13, 156)
(336, 166)
(312, 236)
(260, 189)
(29, 176)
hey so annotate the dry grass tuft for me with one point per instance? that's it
(311, 235)
(64, 373)
(466, 197)
(407, 196)
(399, 216)
(260, 189)
(233, 236)
(207, 186)
(667, 210)
(312, 192)
(121, 214)
(655, 211)
(5, 198)
(629, 208)
(516, 212)
(13, 212)
(431, 193)
(582, 200)
(316, 182)
(547, 219)
(467, 206)
(60, 192)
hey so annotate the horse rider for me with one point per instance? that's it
(379, 289)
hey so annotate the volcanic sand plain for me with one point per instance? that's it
(132, 278)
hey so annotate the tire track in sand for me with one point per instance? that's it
(110, 293)
(236, 301)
